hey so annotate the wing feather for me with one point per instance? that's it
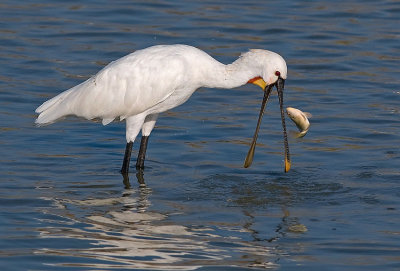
(125, 87)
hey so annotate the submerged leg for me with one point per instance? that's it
(127, 158)
(142, 152)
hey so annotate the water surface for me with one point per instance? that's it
(64, 205)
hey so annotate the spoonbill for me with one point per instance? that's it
(139, 86)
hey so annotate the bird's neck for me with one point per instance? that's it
(232, 75)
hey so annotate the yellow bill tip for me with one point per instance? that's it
(249, 158)
(287, 165)
(247, 162)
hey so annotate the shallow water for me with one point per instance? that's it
(64, 205)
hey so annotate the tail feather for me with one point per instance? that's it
(52, 110)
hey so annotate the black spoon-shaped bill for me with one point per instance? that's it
(249, 158)
(250, 154)
(280, 84)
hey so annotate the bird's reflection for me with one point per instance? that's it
(131, 231)
(137, 237)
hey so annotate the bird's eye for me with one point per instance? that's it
(277, 73)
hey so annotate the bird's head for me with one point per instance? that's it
(268, 66)
(272, 71)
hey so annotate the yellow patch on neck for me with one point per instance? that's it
(258, 81)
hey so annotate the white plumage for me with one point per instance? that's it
(143, 84)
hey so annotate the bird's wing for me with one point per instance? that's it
(127, 87)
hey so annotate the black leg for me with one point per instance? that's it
(125, 180)
(142, 152)
(127, 158)
(140, 178)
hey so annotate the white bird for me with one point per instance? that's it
(143, 84)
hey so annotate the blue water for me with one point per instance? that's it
(64, 205)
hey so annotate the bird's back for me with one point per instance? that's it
(128, 86)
